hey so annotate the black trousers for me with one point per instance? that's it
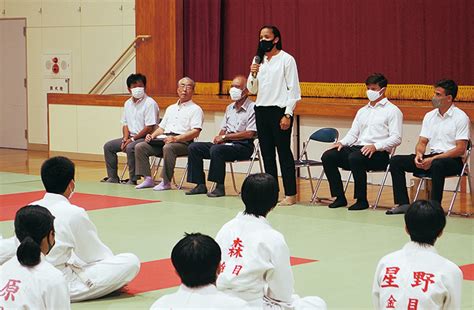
(219, 154)
(440, 169)
(351, 158)
(271, 136)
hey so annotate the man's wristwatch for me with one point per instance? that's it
(223, 137)
(288, 116)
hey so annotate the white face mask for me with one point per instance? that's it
(138, 92)
(374, 94)
(72, 191)
(235, 93)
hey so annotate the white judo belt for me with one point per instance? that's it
(81, 275)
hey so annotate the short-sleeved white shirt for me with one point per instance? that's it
(182, 117)
(138, 115)
(443, 131)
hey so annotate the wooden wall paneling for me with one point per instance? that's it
(161, 57)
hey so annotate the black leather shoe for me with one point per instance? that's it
(401, 209)
(199, 189)
(218, 192)
(359, 205)
(338, 203)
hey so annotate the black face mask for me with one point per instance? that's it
(50, 246)
(266, 45)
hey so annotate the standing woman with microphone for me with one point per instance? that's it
(274, 79)
(27, 280)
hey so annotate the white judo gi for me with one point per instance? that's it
(38, 287)
(89, 266)
(256, 267)
(7, 248)
(206, 297)
(417, 277)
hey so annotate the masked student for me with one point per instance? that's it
(27, 280)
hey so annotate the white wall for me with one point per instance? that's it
(95, 32)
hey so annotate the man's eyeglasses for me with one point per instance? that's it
(186, 86)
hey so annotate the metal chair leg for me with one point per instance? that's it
(347, 182)
(181, 182)
(123, 172)
(157, 166)
(455, 193)
(233, 178)
(314, 197)
(381, 188)
(310, 180)
(418, 189)
(469, 182)
(249, 170)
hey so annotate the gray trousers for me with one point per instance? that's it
(111, 149)
(169, 152)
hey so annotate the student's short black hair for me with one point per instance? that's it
(450, 87)
(377, 78)
(32, 224)
(56, 173)
(259, 194)
(133, 78)
(425, 220)
(196, 258)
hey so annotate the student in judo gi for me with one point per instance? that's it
(27, 280)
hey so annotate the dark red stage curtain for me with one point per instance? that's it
(410, 41)
(202, 39)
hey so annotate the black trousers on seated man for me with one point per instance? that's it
(219, 154)
(440, 169)
(351, 158)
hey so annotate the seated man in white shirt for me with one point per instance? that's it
(28, 281)
(196, 260)
(234, 142)
(255, 264)
(446, 129)
(139, 118)
(417, 277)
(376, 130)
(88, 265)
(180, 125)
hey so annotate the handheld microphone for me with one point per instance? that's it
(258, 60)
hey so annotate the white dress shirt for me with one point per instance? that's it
(277, 83)
(417, 276)
(443, 131)
(182, 117)
(380, 125)
(255, 265)
(239, 120)
(206, 297)
(75, 233)
(38, 287)
(138, 115)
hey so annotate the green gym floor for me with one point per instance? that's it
(346, 245)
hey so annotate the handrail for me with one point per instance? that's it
(110, 71)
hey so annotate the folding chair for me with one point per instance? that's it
(256, 156)
(324, 135)
(183, 177)
(121, 179)
(465, 171)
(382, 184)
